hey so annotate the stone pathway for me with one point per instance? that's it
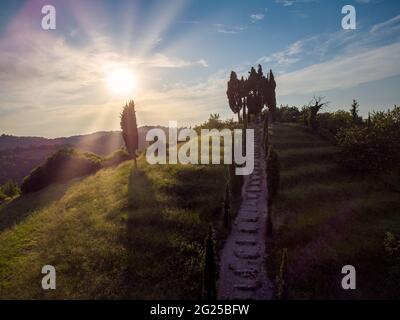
(242, 269)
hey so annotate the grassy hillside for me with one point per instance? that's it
(116, 234)
(328, 217)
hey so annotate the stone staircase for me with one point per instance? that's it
(242, 268)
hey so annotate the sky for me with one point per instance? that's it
(179, 54)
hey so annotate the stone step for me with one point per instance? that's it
(252, 196)
(246, 242)
(253, 189)
(248, 285)
(247, 230)
(251, 273)
(249, 219)
(247, 254)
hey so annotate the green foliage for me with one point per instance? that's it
(281, 278)
(129, 129)
(9, 190)
(209, 273)
(325, 215)
(214, 122)
(375, 147)
(62, 166)
(273, 173)
(288, 114)
(392, 246)
(392, 249)
(116, 158)
(334, 121)
(2, 196)
(137, 233)
(354, 112)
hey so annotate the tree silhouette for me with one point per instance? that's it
(354, 111)
(209, 273)
(252, 93)
(227, 206)
(314, 109)
(130, 130)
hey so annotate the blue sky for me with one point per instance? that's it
(52, 83)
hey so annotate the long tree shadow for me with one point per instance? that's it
(144, 239)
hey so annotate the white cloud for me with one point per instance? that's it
(256, 17)
(392, 24)
(343, 72)
(287, 3)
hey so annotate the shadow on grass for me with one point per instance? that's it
(22, 207)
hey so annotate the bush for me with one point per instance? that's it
(2, 197)
(10, 189)
(287, 114)
(273, 173)
(373, 148)
(116, 158)
(62, 166)
(335, 121)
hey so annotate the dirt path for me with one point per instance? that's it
(242, 269)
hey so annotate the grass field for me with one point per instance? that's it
(116, 234)
(328, 217)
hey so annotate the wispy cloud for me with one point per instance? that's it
(359, 58)
(223, 28)
(256, 17)
(343, 72)
(287, 3)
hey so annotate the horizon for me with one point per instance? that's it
(73, 80)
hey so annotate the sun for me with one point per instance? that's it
(121, 81)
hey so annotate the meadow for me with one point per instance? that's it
(119, 233)
(328, 217)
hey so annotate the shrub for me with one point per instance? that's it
(10, 189)
(287, 114)
(334, 121)
(62, 166)
(2, 197)
(116, 158)
(375, 147)
(273, 173)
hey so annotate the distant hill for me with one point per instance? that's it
(20, 155)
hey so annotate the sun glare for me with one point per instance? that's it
(121, 81)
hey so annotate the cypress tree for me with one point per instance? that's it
(209, 272)
(281, 279)
(269, 218)
(130, 130)
(227, 206)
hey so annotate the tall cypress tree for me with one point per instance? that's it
(130, 130)
(227, 206)
(209, 272)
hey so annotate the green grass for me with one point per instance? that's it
(328, 217)
(116, 234)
